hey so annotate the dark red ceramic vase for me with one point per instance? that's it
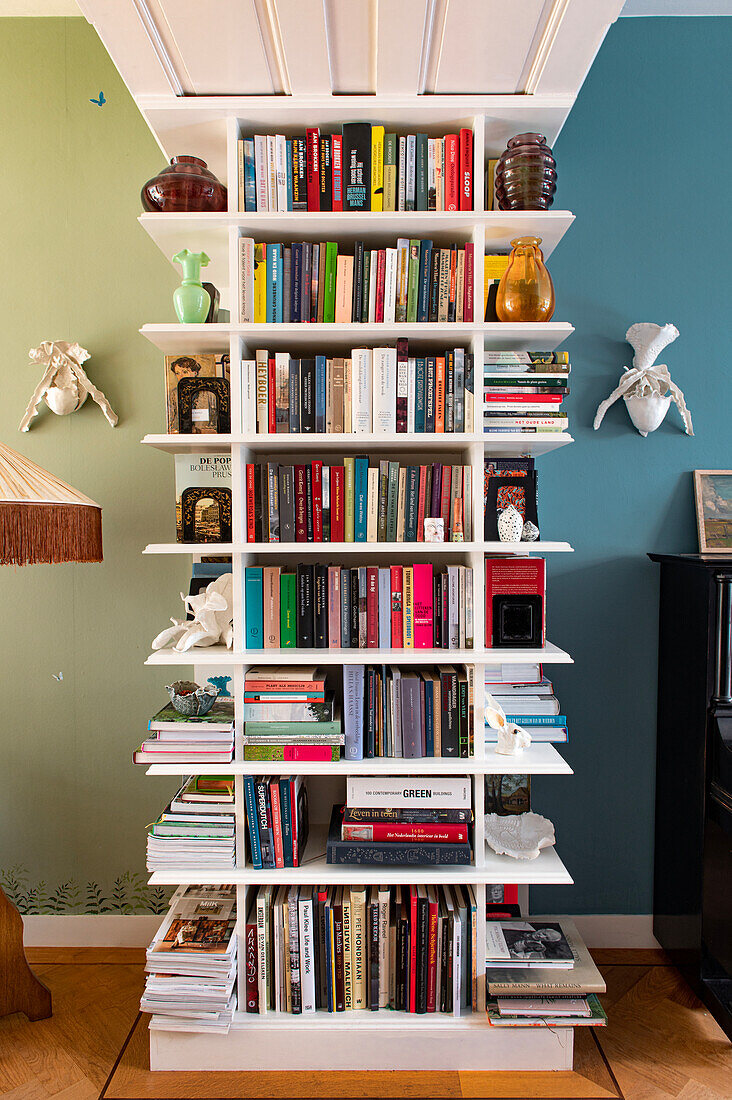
(526, 174)
(185, 185)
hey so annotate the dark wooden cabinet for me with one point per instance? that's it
(692, 892)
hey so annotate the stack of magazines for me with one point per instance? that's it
(191, 962)
(196, 827)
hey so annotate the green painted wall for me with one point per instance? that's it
(77, 267)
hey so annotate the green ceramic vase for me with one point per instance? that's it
(191, 300)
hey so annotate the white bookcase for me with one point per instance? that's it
(359, 1040)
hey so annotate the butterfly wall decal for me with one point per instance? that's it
(99, 102)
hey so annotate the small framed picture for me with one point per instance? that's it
(713, 495)
(434, 529)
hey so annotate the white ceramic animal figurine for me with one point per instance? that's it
(512, 739)
(647, 389)
(213, 611)
(65, 385)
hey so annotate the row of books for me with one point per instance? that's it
(355, 502)
(426, 842)
(525, 396)
(362, 168)
(419, 606)
(304, 282)
(540, 974)
(201, 739)
(352, 948)
(289, 715)
(412, 713)
(533, 706)
(277, 820)
(381, 390)
(192, 961)
(196, 826)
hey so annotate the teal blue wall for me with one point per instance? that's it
(645, 165)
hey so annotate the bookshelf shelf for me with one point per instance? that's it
(365, 549)
(175, 339)
(508, 444)
(216, 655)
(539, 759)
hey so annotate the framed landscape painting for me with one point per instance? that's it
(713, 494)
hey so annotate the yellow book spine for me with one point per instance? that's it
(260, 285)
(377, 167)
(408, 607)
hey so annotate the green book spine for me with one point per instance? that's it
(291, 731)
(421, 185)
(392, 502)
(288, 608)
(349, 463)
(391, 156)
(413, 281)
(331, 261)
(277, 752)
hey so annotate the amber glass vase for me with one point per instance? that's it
(526, 291)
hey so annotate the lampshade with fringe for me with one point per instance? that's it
(42, 519)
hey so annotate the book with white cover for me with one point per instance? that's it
(384, 390)
(582, 978)
(527, 943)
(362, 389)
(307, 948)
(543, 1006)
(528, 704)
(260, 169)
(390, 285)
(395, 792)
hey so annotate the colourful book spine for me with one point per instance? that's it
(349, 496)
(337, 503)
(317, 475)
(391, 154)
(254, 599)
(251, 525)
(422, 603)
(313, 169)
(288, 611)
(408, 602)
(469, 289)
(249, 800)
(377, 167)
(440, 393)
(360, 498)
(337, 159)
(331, 263)
(397, 611)
(466, 169)
(372, 607)
(292, 752)
(452, 173)
(421, 190)
(334, 607)
(260, 284)
(413, 281)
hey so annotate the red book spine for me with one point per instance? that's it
(313, 169)
(397, 613)
(274, 794)
(469, 288)
(301, 522)
(380, 279)
(251, 528)
(337, 503)
(412, 948)
(452, 185)
(384, 831)
(466, 169)
(337, 163)
(402, 385)
(251, 964)
(421, 503)
(510, 895)
(432, 952)
(445, 502)
(372, 607)
(271, 397)
(317, 501)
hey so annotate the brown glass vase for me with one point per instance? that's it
(186, 185)
(526, 291)
(526, 174)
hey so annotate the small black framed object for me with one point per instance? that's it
(217, 389)
(518, 621)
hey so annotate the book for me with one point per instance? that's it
(356, 166)
(581, 979)
(434, 792)
(391, 853)
(527, 943)
(219, 718)
(594, 1016)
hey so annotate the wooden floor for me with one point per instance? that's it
(660, 1043)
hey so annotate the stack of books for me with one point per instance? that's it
(177, 739)
(540, 974)
(355, 502)
(289, 715)
(277, 820)
(351, 948)
(361, 168)
(381, 390)
(392, 821)
(531, 704)
(389, 711)
(415, 281)
(523, 391)
(191, 962)
(419, 606)
(196, 827)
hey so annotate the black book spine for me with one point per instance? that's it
(286, 487)
(373, 956)
(326, 173)
(264, 822)
(354, 608)
(422, 953)
(309, 503)
(402, 954)
(305, 602)
(357, 292)
(450, 727)
(321, 606)
(356, 166)
(434, 284)
(345, 608)
(392, 854)
(295, 282)
(307, 395)
(463, 728)
(353, 815)
(451, 303)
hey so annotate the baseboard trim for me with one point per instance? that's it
(118, 930)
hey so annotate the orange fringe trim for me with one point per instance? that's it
(33, 534)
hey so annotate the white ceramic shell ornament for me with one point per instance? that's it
(212, 624)
(510, 524)
(521, 836)
(65, 384)
(530, 532)
(647, 389)
(512, 739)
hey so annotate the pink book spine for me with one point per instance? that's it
(307, 752)
(334, 607)
(423, 618)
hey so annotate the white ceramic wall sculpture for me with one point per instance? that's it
(521, 836)
(512, 739)
(212, 624)
(65, 385)
(647, 388)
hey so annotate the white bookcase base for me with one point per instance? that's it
(439, 1043)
